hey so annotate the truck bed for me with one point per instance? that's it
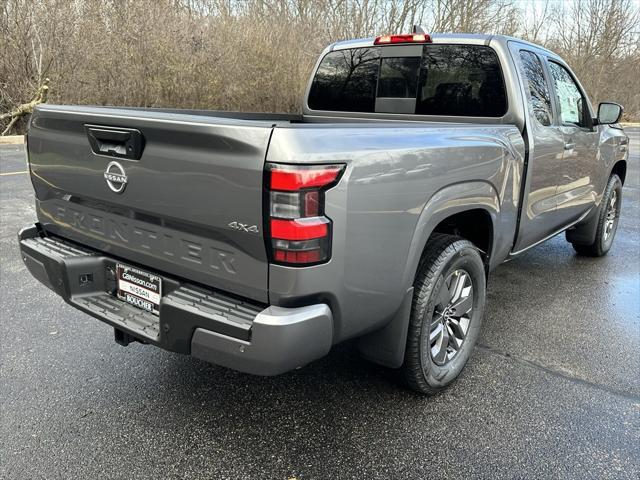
(193, 205)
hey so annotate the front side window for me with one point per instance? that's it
(346, 81)
(539, 97)
(570, 98)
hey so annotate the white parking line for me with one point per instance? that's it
(13, 173)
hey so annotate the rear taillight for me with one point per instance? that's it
(299, 232)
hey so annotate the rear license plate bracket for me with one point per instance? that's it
(139, 288)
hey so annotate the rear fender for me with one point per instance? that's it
(387, 345)
(447, 202)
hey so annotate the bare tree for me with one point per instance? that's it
(536, 21)
(599, 39)
(474, 16)
(257, 54)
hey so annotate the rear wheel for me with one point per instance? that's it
(608, 216)
(447, 310)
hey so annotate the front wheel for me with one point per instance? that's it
(447, 310)
(608, 216)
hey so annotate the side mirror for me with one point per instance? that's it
(609, 112)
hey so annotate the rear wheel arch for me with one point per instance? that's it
(475, 223)
(461, 201)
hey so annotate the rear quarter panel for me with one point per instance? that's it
(401, 180)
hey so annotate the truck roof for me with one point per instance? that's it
(472, 38)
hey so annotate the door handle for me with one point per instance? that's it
(115, 142)
(569, 146)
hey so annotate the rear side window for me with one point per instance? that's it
(346, 81)
(447, 80)
(539, 98)
(461, 80)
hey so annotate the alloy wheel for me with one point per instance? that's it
(612, 216)
(451, 317)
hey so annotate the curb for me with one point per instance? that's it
(12, 140)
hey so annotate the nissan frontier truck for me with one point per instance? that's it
(258, 241)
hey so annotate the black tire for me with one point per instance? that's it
(445, 257)
(605, 231)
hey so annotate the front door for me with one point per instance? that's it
(577, 192)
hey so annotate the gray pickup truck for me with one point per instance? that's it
(259, 241)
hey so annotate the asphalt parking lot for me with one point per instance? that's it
(552, 391)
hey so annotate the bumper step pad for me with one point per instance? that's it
(196, 307)
(210, 303)
(134, 319)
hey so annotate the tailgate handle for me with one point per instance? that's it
(115, 142)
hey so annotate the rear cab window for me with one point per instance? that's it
(461, 80)
(442, 80)
(346, 81)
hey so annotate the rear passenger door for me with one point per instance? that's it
(576, 192)
(545, 170)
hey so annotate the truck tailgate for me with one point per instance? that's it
(191, 205)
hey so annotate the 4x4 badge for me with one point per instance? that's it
(244, 227)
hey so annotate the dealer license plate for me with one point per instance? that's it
(139, 288)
